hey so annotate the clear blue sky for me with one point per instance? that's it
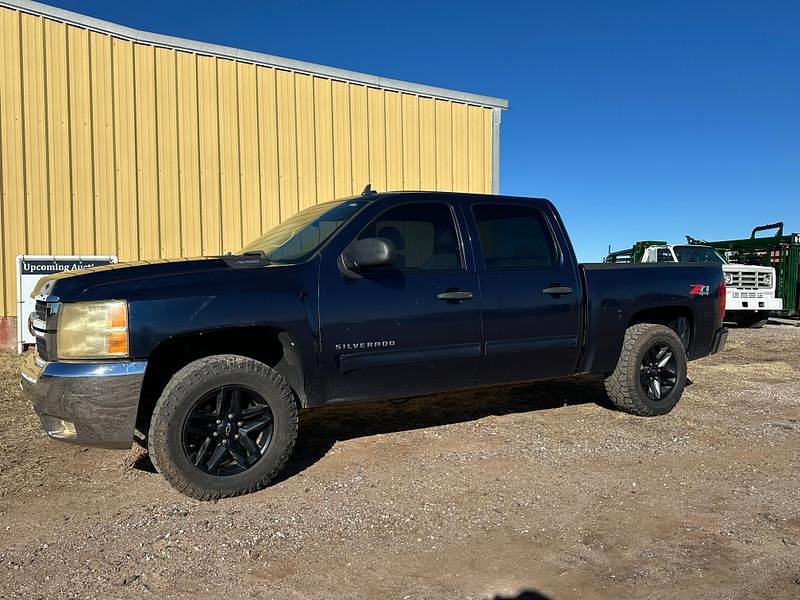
(641, 120)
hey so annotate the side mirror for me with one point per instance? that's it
(369, 252)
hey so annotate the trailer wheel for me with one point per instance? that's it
(650, 373)
(224, 425)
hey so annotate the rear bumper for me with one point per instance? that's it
(719, 341)
(92, 404)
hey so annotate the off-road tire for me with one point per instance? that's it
(624, 387)
(165, 444)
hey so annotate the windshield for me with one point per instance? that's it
(300, 235)
(697, 254)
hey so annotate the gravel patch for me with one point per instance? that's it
(483, 494)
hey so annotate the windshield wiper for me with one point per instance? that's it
(260, 253)
(247, 260)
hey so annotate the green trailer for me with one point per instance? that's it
(782, 252)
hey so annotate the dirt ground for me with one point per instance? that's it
(537, 491)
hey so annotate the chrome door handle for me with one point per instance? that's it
(557, 290)
(455, 296)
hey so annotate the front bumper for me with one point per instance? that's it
(752, 300)
(92, 404)
(719, 341)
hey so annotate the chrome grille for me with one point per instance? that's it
(749, 279)
(41, 347)
(43, 320)
(41, 310)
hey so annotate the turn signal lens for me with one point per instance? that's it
(118, 316)
(93, 330)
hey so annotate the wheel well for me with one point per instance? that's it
(677, 318)
(270, 346)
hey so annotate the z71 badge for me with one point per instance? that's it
(698, 289)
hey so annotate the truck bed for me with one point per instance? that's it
(620, 294)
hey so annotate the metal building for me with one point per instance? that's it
(117, 141)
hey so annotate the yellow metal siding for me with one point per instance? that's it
(188, 154)
(103, 144)
(113, 146)
(427, 143)
(444, 146)
(486, 154)
(287, 144)
(229, 155)
(127, 191)
(306, 142)
(146, 150)
(394, 141)
(248, 152)
(477, 134)
(11, 155)
(340, 99)
(35, 140)
(58, 139)
(169, 197)
(80, 151)
(359, 148)
(460, 148)
(411, 148)
(268, 147)
(323, 137)
(376, 112)
(210, 220)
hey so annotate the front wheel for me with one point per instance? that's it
(225, 425)
(650, 373)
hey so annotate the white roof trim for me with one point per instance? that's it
(176, 43)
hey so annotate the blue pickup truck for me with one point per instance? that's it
(379, 296)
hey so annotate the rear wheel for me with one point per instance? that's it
(650, 373)
(224, 426)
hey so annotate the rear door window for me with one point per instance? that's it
(514, 236)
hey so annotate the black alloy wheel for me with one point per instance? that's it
(658, 372)
(225, 425)
(651, 371)
(228, 430)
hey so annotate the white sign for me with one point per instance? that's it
(32, 268)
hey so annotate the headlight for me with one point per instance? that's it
(93, 329)
(767, 279)
(728, 278)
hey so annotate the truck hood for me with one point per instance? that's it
(122, 279)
